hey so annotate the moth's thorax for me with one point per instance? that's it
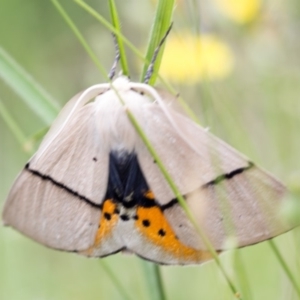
(112, 119)
(122, 83)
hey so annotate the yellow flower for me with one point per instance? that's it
(240, 11)
(188, 58)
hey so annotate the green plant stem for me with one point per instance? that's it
(179, 197)
(80, 38)
(154, 280)
(161, 24)
(162, 5)
(27, 88)
(182, 203)
(105, 23)
(111, 28)
(115, 281)
(116, 24)
(11, 124)
(194, 10)
(285, 267)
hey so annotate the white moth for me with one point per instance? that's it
(94, 188)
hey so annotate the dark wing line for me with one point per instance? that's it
(226, 176)
(229, 175)
(217, 180)
(169, 204)
(62, 186)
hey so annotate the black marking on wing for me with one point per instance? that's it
(127, 184)
(124, 217)
(230, 175)
(113, 252)
(156, 261)
(226, 176)
(62, 186)
(169, 204)
(101, 256)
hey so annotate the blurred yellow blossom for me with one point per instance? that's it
(189, 58)
(240, 11)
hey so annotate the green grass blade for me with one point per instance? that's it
(284, 266)
(160, 15)
(80, 37)
(183, 204)
(116, 24)
(162, 22)
(11, 124)
(115, 281)
(194, 7)
(27, 88)
(34, 140)
(241, 275)
(154, 280)
(105, 23)
(111, 28)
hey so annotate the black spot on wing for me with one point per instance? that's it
(124, 217)
(146, 223)
(161, 232)
(107, 216)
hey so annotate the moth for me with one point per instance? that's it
(94, 188)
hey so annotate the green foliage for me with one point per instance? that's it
(256, 109)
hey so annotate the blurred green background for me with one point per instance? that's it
(255, 107)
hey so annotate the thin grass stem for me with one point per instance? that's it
(117, 26)
(11, 124)
(117, 283)
(80, 37)
(161, 24)
(27, 88)
(285, 267)
(154, 280)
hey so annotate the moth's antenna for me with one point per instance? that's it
(112, 71)
(151, 65)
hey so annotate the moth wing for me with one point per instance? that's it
(70, 107)
(229, 196)
(244, 209)
(171, 101)
(56, 199)
(50, 215)
(73, 152)
(191, 155)
(61, 118)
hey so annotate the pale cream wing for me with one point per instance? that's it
(57, 199)
(229, 196)
(77, 157)
(191, 155)
(68, 110)
(50, 215)
(244, 209)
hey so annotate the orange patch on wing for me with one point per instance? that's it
(108, 220)
(153, 224)
(149, 195)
